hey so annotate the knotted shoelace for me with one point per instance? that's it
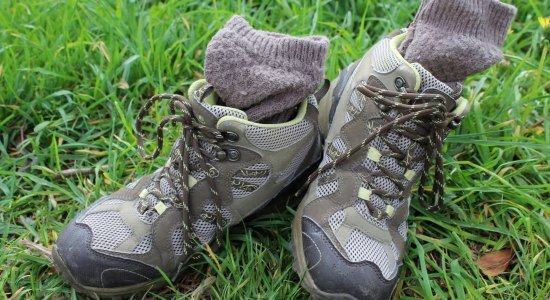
(193, 134)
(432, 122)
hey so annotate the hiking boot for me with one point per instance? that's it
(220, 170)
(384, 120)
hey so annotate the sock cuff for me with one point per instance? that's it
(486, 20)
(261, 72)
(311, 49)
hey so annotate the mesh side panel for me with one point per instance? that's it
(175, 173)
(377, 201)
(379, 144)
(221, 111)
(101, 201)
(396, 139)
(132, 184)
(238, 193)
(254, 180)
(226, 213)
(204, 230)
(110, 202)
(207, 147)
(274, 139)
(387, 162)
(179, 187)
(193, 157)
(370, 166)
(338, 143)
(356, 100)
(403, 229)
(384, 60)
(327, 189)
(108, 229)
(360, 248)
(349, 117)
(326, 158)
(258, 166)
(418, 151)
(144, 245)
(385, 184)
(295, 163)
(199, 175)
(166, 189)
(429, 82)
(174, 153)
(355, 105)
(417, 167)
(152, 200)
(391, 164)
(312, 100)
(336, 220)
(177, 241)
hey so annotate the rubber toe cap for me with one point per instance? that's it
(333, 274)
(89, 268)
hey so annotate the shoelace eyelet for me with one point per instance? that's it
(219, 138)
(455, 123)
(221, 155)
(383, 107)
(233, 154)
(231, 136)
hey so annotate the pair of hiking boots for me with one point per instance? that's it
(383, 120)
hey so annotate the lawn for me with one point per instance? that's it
(73, 75)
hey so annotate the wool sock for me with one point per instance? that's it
(263, 73)
(454, 39)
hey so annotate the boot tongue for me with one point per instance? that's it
(431, 85)
(207, 108)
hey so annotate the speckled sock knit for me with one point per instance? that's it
(261, 72)
(454, 39)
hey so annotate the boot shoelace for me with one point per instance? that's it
(193, 133)
(431, 119)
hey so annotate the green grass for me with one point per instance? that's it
(64, 104)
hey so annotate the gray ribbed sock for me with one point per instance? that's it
(261, 72)
(454, 39)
